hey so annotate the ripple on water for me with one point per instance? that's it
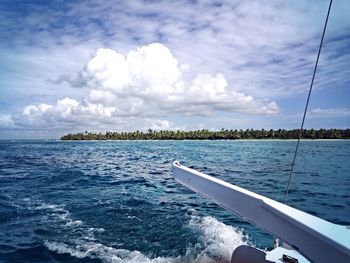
(118, 202)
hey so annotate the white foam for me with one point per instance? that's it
(104, 253)
(58, 216)
(73, 223)
(219, 240)
(56, 208)
(134, 217)
(217, 244)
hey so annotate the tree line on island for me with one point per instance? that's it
(223, 134)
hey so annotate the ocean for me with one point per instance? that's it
(116, 201)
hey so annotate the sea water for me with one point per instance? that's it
(116, 201)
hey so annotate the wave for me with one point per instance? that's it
(83, 249)
(217, 242)
(58, 214)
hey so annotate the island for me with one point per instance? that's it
(223, 134)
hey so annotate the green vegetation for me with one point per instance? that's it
(212, 135)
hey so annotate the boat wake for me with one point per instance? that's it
(217, 241)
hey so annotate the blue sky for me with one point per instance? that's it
(69, 66)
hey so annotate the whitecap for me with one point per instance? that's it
(73, 223)
(53, 207)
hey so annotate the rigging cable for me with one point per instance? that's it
(307, 102)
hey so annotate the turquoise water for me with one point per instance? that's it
(116, 201)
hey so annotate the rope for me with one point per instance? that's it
(307, 102)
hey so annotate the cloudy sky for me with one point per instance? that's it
(69, 66)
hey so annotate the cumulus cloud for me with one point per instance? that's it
(151, 75)
(148, 82)
(161, 125)
(253, 50)
(67, 109)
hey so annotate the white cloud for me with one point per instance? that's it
(151, 79)
(149, 71)
(264, 48)
(161, 125)
(329, 113)
(66, 109)
(244, 55)
(147, 82)
(35, 110)
(6, 121)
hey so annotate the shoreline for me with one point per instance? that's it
(169, 140)
(206, 140)
(249, 134)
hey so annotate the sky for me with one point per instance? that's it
(71, 66)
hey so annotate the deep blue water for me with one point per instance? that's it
(116, 201)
